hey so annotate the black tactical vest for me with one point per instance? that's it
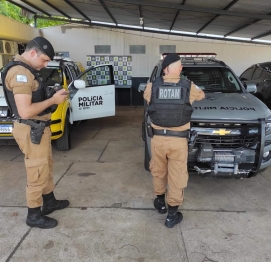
(170, 104)
(37, 96)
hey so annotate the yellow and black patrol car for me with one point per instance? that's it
(91, 95)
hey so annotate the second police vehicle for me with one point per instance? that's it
(230, 128)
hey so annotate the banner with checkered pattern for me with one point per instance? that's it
(122, 66)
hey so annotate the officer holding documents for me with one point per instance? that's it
(32, 103)
(169, 100)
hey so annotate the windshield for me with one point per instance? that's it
(52, 75)
(212, 79)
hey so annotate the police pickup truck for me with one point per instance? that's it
(91, 95)
(230, 132)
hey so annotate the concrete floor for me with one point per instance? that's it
(111, 216)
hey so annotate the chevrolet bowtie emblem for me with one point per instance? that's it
(222, 132)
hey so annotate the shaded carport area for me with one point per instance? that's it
(111, 216)
(232, 20)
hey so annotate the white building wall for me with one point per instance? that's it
(80, 42)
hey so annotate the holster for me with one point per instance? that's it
(192, 140)
(37, 129)
(36, 134)
(149, 130)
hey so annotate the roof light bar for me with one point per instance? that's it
(192, 55)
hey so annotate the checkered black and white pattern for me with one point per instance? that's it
(100, 76)
(122, 66)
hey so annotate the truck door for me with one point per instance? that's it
(92, 95)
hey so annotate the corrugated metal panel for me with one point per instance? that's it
(210, 16)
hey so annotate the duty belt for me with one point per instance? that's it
(34, 122)
(165, 132)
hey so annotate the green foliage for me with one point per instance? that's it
(13, 11)
(41, 23)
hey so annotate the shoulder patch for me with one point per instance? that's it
(21, 78)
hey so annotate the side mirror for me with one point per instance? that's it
(251, 87)
(79, 84)
(142, 87)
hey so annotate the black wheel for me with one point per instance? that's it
(147, 157)
(64, 142)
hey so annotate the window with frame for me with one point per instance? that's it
(257, 73)
(97, 76)
(212, 79)
(247, 75)
(52, 75)
(73, 71)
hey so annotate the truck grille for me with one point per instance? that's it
(227, 141)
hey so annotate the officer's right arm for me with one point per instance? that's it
(147, 93)
(21, 82)
(27, 109)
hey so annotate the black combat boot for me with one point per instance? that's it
(50, 204)
(173, 216)
(36, 219)
(160, 204)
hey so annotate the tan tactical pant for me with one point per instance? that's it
(38, 162)
(168, 166)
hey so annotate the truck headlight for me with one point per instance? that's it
(267, 156)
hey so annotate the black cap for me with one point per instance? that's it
(169, 59)
(45, 46)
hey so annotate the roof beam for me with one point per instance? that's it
(57, 9)
(28, 10)
(244, 26)
(262, 35)
(176, 15)
(107, 11)
(146, 30)
(35, 7)
(225, 8)
(174, 20)
(193, 9)
(78, 10)
(63, 20)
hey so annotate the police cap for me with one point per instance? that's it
(169, 59)
(45, 46)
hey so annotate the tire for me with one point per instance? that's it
(147, 157)
(64, 142)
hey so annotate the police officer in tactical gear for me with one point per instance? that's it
(169, 100)
(29, 101)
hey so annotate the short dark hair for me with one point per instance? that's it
(33, 46)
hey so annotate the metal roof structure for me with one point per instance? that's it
(232, 20)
